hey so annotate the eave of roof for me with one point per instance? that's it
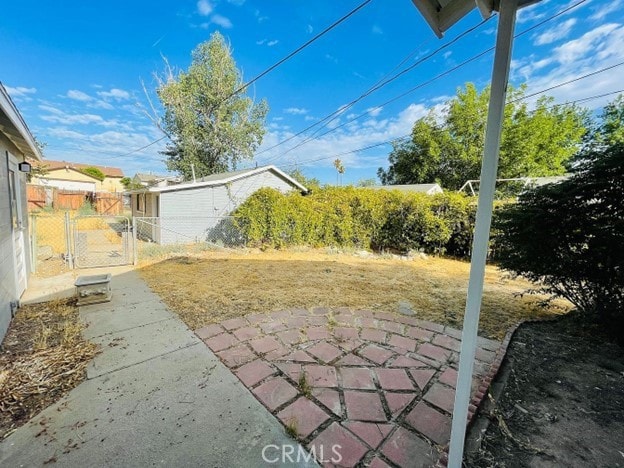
(12, 124)
(224, 180)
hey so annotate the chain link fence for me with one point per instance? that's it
(63, 240)
(162, 235)
(50, 243)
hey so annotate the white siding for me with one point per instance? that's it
(190, 215)
(7, 257)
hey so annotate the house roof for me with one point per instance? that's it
(54, 165)
(152, 177)
(225, 178)
(423, 188)
(12, 125)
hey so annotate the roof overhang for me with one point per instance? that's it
(442, 14)
(13, 126)
(224, 181)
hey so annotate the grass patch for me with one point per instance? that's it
(209, 287)
(43, 356)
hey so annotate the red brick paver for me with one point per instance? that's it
(303, 416)
(378, 387)
(338, 446)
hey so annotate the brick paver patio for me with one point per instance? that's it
(379, 385)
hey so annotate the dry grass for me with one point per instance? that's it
(51, 229)
(43, 356)
(213, 286)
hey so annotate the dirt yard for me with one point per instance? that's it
(42, 357)
(212, 286)
(563, 402)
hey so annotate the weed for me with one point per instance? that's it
(304, 386)
(291, 428)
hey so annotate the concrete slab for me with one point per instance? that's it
(100, 322)
(62, 286)
(139, 344)
(184, 408)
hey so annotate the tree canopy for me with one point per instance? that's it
(447, 146)
(211, 126)
(94, 172)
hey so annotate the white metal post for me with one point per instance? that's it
(489, 166)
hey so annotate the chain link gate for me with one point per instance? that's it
(100, 241)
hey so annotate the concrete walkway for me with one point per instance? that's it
(155, 395)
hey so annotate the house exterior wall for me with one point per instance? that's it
(64, 177)
(7, 257)
(190, 215)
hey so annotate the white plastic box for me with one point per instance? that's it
(93, 289)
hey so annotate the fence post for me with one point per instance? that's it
(135, 246)
(68, 255)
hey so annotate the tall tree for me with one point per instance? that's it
(447, 147)
(210, 126)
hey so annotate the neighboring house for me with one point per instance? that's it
(429, 189)
(190, 211)
(155, 180)
(70, 176)
(16, 144)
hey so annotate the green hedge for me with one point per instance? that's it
(361, 218)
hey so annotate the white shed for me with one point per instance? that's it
(429, 189)
(195, 211)
(16, 144)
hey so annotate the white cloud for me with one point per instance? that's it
(376, 30)
(100, 104)
(221, 20)
(593, 40)
(296, 111)
(352, 136)
(604, 9)
(56, 115)
(309, 29)
(596, 49)
(259, 17)
(447, 54)
(115, 93)
(374, 111)
(78, 95)
(261, 42)
(236, 2)
(204, 7)
(20, 91)
(272, 43)
(331, 58)
(559, 32)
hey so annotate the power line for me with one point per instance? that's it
(300, 48)
(411, 90)
(398, 139)
(378, 85)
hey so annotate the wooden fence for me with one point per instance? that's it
(40, 197)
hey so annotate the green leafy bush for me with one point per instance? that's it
(357, 217)
(568, 237)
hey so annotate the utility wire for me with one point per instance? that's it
(398, 139)
(411, 90)
(299, 49)
(377, 86)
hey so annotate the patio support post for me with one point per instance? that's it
(500, 76)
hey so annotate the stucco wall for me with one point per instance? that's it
(109, 184)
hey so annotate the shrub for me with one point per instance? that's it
(568, 237)
(355, 217)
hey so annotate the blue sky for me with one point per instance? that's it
(75, 70)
